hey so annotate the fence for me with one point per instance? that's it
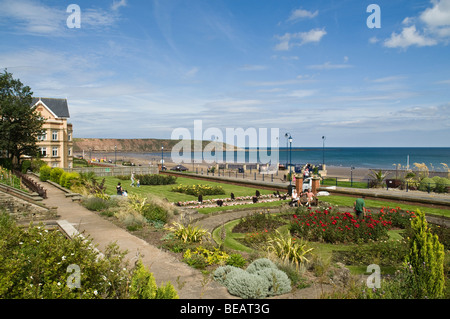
(387, 184)
(116, 170)
(31, 185)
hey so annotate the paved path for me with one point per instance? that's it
(190, 284)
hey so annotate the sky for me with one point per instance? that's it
(358, 75)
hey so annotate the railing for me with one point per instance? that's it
(31, 185)
(387, 184)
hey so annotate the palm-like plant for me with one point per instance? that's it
(288, 249)
(378, 177)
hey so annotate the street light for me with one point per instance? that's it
(290, 160)
(162, 158)
(115, 157)
(287, 140)
(323, 151)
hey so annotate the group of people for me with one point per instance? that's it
(305, 198)
(123, 192)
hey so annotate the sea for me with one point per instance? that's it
(358, 157)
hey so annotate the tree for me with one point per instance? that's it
(20, 125)
(426, 259)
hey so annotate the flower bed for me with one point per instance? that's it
(330, 226)
(242, 200)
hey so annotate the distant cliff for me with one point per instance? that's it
(125, 145)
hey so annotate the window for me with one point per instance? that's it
(69, 136)
(42, 137)
(43, 151)
(55, 152)
(55, 135)
(70, 151)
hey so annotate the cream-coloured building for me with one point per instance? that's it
(56, 144)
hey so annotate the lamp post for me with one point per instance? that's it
(287, 141)
(290, 160)
(323, 151)
(162, 158)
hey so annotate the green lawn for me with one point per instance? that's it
(164, 191)
(354, 184)
(346, 201)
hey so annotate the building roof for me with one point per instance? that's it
(59, 107)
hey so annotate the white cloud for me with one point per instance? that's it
(249, 67)
(409, 36)
(302, 14)
(438, 15)
(118, 4)
(329, 66)
(288, 40)
(430, 28)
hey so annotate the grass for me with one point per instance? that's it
(164, 191)
(346, 201)
(332, 182)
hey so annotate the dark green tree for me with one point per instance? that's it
(20, 126)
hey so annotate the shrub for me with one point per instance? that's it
(143, 285)
(95, 203)
(278, 282)
(260, 264)
(34, 265)
(44, 173)
(426, 259)
(442, 184)
(247, 285)
(262, 278)
(236, 260)
(68, 179)
(202, 256)
(153, 212)
(289, 249)
(427, 184)
(55, 174)
(197, 190)
(189, 233)
(155, 179)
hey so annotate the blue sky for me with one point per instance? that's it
(140, 69)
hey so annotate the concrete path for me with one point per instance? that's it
(190, 283)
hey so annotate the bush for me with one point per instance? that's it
(189, 233)
(236, 260)
(247, 286)
(426, 260)
(143, 285)
(261, 279)
(44, 173)
(55, 174)
(155, 179)
(153, 212)
(68, 179)
(34, 264)
(95, 203)
(442, 184)
(427, 184)
(197, 190)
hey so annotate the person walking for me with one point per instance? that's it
(132, 180)
(360, 207)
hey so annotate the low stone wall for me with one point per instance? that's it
(25, 211)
